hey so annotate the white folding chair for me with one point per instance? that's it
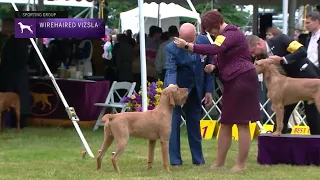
(113, 100)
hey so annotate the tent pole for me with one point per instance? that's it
(255, 17)
(92, 10)
(72, 115)
(143, 57)
(292, 8)
(40, 40)
(285, 4)
(159, 25)
(28, 5)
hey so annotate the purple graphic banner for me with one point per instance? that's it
(59, 28)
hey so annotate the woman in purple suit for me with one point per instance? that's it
(240, 100)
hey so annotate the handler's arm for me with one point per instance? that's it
(171, 67)
(209, 77)
(296, 50)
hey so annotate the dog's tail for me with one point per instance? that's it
(106, 118)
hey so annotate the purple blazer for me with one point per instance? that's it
(232, 50)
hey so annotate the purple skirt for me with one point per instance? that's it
(240, 99)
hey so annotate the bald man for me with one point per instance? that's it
(186, 69)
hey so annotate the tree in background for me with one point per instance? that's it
(6, 11)
(114, 9)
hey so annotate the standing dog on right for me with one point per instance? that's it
(288, 53)
(283, 91)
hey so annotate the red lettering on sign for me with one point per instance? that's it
(204, 131)
(302, 130)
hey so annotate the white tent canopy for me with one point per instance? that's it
(168, 15)
(73, 3)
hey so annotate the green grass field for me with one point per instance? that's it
(55, 154)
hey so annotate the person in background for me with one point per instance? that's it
(297, 33)
(107, 49)
(83, 55)
(164, 37)
(136, 64)
(114, 38)
(313, 42)
(131, 41)
(272, 32)
(13, 68)
(152, 44)
(124, 53)
(153, 40)
(161, 53)
(240, 83)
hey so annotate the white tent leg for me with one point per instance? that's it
(211, 41)
(28, 5)
(143, 57)
(285, 5)
(72, 115)
(92, 10)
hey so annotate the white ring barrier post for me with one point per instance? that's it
(70, 110)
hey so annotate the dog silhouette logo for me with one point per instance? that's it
(41, 98)
(23, 27)
(45, 99)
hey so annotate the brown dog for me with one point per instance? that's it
(9, 100)
(152, 125)
(284, 90)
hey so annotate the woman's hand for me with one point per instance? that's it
(209, 68)
(180, 42)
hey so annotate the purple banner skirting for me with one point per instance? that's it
(82, 95)
(289, 149)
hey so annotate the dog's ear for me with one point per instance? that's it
(257, 63)
(171, 99)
